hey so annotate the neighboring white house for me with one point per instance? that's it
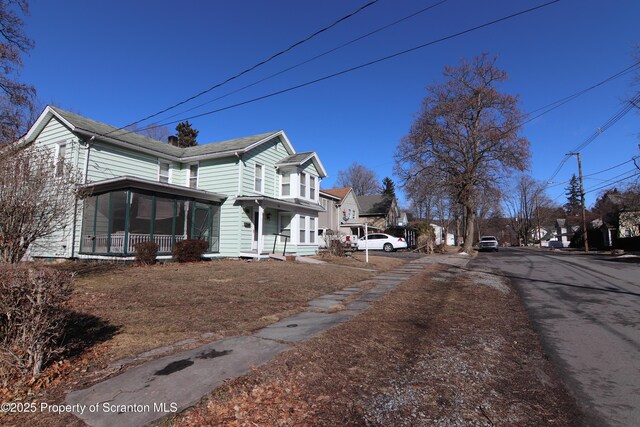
(242, 196)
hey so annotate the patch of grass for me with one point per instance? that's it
(158, 305)
(429, 353)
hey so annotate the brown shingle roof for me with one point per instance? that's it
(341, 193)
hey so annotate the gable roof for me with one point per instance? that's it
(300, 159)
(340, 193)
(374, 205)
(91, 128)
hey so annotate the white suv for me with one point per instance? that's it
(488, 243)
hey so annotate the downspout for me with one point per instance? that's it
(238, 193)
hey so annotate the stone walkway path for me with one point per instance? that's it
(169, 384)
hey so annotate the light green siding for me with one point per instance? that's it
(107, 161)
(268, 154)
(228, 176)
(178, 174)
(59, 244)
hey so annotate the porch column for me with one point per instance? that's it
(260, 228)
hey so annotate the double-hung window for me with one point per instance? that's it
(163, 171)
(61, 151)
(303, 185)
(258, 179)
(312, 230)
(285, 189)
(303, 229)
(312, 188)
(193, 175)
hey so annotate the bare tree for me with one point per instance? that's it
(37, 195)
(362, 179)
(153, 131)
(17, 107)
(521, 206)
(488, 206)
(466, 135)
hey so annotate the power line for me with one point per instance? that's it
(613, 120)
(358, 67)
(612, 167)
(275, 55)
(569, 98)
(370, 33)
(633, 173)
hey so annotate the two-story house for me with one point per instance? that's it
(341, 211)
(379, 211)
(244, 196)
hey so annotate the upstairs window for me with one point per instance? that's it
(303, 185)
(258, 178)
(193, 175)
(312, 188)
(285, 188)
(163, 172)
(61, 151)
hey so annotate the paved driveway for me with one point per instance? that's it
(587, 309)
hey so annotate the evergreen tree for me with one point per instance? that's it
(574, 204)
(388, 188)
(186, 135)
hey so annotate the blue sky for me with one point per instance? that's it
(117, 61)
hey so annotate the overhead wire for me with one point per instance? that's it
(247, 70)
(358, 67)
(313, 58)
(628, 106)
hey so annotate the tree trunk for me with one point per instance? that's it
(468, 232)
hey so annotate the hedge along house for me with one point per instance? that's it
(246, 197)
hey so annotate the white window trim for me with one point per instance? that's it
(282, 183)
(291, 226)
(308, 232)
(313, 231)
(169, 170)
(189, 174)
(315, 188)
(56, 158)
(306, 185)
(255, 166)
(301, 228)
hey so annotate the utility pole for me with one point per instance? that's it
(584, 215)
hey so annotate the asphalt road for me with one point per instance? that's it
(587, 310)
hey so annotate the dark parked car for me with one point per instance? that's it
(488, 243)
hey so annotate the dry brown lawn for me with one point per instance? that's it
(121, 311)
(162, 304)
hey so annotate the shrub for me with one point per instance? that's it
(146, 253)
(190, 250)
(32, 318)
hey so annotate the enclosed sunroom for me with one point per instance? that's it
(119, 213)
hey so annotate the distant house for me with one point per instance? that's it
(235, 194)
(341, 211)
(629, 224)
(561, 234)
(379, 211)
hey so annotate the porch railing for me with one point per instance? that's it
(164, 242)
(275, 240)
